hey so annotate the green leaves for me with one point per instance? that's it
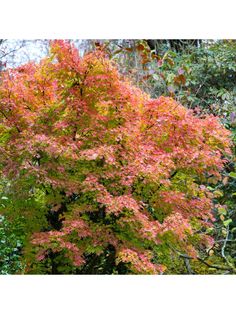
(222, 210)
(10, 249)
(232, 175)
(227, 222)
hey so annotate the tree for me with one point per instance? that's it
(107, 179)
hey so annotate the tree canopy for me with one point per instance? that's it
(105, 178)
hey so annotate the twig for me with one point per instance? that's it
(188, 266)
(202, 261)
(223, 250)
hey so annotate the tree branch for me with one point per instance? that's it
(185, 256)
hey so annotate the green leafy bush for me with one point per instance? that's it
(10, 249)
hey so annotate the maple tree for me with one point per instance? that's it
(100, 167)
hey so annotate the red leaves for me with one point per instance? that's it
(140, 262)
(106, 152)
(75, 125)
(177, 224)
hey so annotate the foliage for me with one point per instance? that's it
(197, 76)
(202, 77)
(108, 174)
(10, 249)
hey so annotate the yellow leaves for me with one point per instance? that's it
(225, 180)
(103, 107)
(143, 126)
(167, 58)
(211, 252)
(222, 210)
(210, 231)
(218, 193)
(222, 217)
(212, 180)
(224, 232)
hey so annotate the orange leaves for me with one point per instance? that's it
(85, 131)
(180, 79)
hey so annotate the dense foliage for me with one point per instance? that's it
(201, 75)
(104, 178)
(10, 249)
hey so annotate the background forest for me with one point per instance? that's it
(198, 74)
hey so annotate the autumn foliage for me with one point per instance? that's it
(114, 169)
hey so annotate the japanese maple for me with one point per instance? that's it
(114, 168)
